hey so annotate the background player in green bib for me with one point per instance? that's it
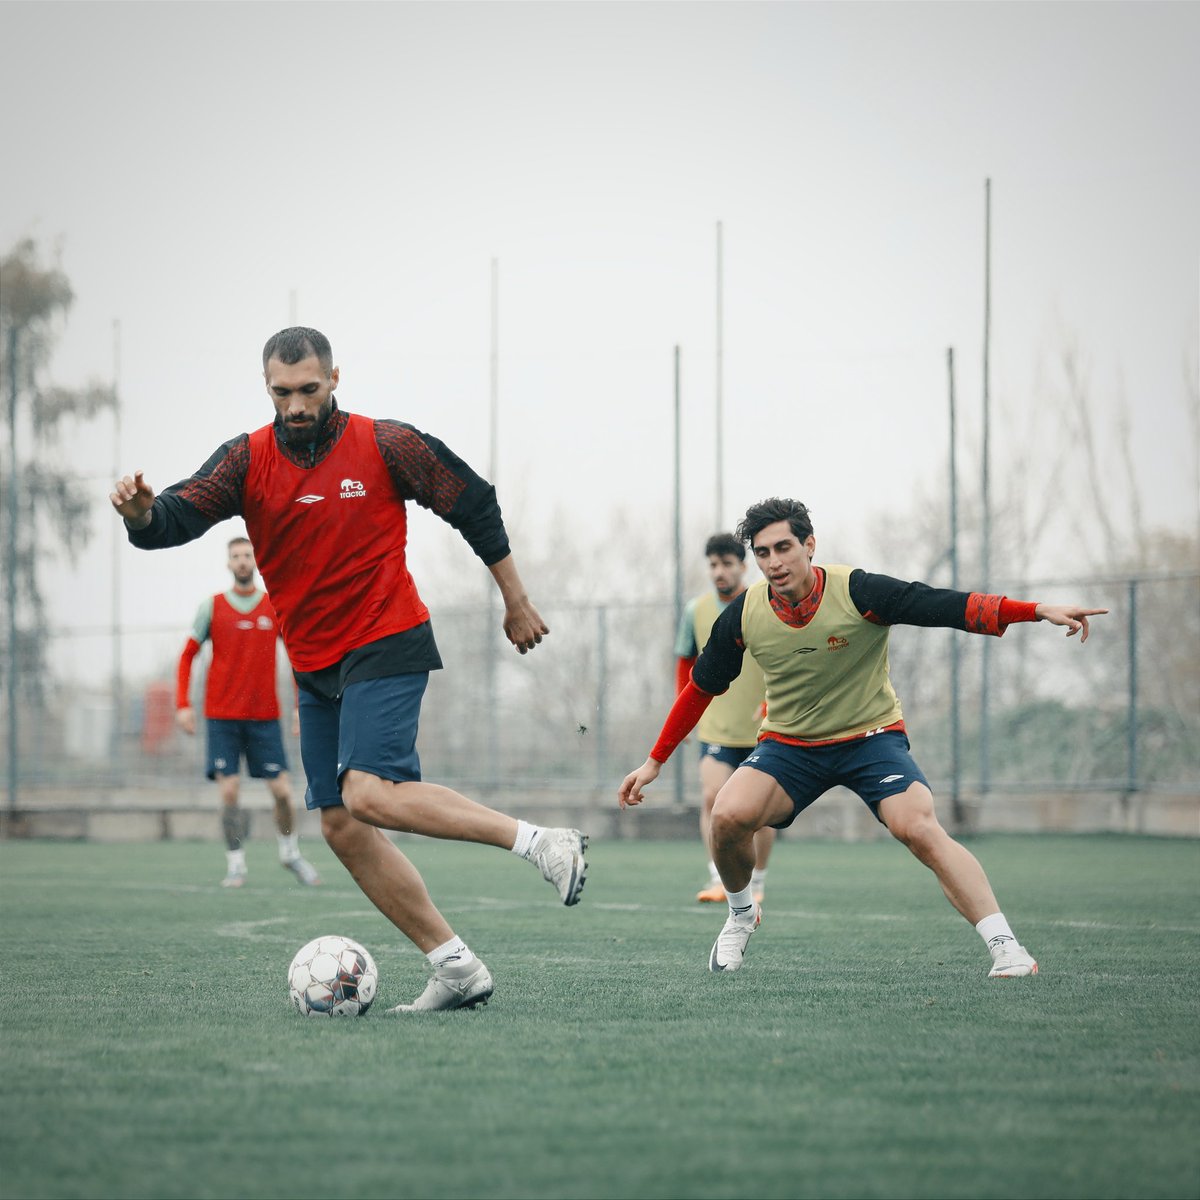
(728, 730)
(820, 635)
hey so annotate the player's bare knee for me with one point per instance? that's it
(920, 832)
(359, 796)
(730, 823)
(338, 830)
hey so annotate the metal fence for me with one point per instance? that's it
(1119, 716)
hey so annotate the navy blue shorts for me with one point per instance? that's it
(874, 768)
(731, 756)
(260, 742)
(372, 727)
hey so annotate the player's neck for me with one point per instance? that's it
(804, 590)
(244, 589)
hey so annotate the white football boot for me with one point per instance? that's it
(558, 854)
(730, 947)
(303, 871)
(1013, 962)
(452, 988)
(235, 877)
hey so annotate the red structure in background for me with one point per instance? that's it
(158, 722)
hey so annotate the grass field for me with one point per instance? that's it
(150, 1051)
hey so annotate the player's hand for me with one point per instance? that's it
(1070, 615)
(133, 498)
(295, 722)
(523, 626)
(630, 791)
(185, 718)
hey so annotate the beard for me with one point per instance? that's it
(305, 433)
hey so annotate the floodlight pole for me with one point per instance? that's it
(720, 368)
(986, 564)
(10, 574)
(489, 658)
(118, 681)
(678, 549)
(955, 676)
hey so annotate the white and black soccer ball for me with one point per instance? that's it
(332, 976)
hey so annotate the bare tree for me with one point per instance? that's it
(48, 508)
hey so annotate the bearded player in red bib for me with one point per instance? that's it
(241, 710)
(323, 495)
(820, 635)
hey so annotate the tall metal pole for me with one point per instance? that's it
(955, 665)
(118, 529)
(14, 495)
(601, 693)
(489, 645)
(1131, 743)
(494, 393)
(678, 548)
(986, 564)
(720, 430)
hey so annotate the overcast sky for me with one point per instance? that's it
(211, 168)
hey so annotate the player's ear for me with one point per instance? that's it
(334, 376)
(810, 544)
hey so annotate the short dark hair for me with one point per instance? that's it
(237, 541)
(767, 512)
(295, 344)
(722, 544)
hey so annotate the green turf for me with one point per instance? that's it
(149, 1049)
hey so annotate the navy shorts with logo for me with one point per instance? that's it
(873, 767)
(371, 727)
(261, 742)
(731, 756)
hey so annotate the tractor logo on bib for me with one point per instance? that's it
(352, 488)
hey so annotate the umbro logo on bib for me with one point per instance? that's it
(309, 499)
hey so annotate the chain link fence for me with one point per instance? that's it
(1111, 723)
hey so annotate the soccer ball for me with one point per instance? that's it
(332, 977)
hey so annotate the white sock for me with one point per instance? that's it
(758, 879)
(289, 846)
(741, 904)
(453, 953)
(713, 874)
(995, 931)
(236, 859)
(526, 836)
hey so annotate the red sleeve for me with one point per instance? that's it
(688, 708)
(994, 614)
(683, 672)
(1014, 611)
(183, 679)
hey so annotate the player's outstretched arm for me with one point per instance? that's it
(630, 791)
(523, 625)
(133, 498)
(1070, 615)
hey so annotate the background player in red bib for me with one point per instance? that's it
(241, 708)
(728, 729)
(820, 635)
(323, 494)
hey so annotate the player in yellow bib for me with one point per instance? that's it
(728, 730)
(820, 635)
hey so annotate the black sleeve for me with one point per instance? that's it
(188, 508)
(887, 601)
(426, 470)
(720, 662)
